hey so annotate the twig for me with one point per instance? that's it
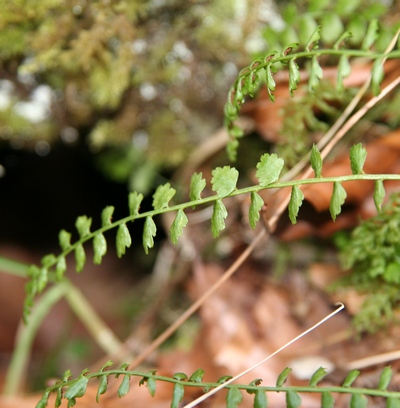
(373, 360)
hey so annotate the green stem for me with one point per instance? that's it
(246, 387)
(339, 52)
(211, 199)
(25, 337)
(91, 320)
(20, 269)
(27, 333)
(284, 59)
(13, 267)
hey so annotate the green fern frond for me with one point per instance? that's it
(224, 181)
(76, 388)
(252, 77)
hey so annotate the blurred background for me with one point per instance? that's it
(100, 98)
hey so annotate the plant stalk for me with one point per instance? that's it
(13, 267)
(26, 334)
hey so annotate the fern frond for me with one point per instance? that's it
(252, 77)
(76, 388)
(224, 181)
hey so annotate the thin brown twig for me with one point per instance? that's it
(199, 302)
(373, 360)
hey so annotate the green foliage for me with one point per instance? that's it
(177, 395)
(124, 387)
(224, 180)
(306, 117)
(325, 33)
(283, 376)
(301, 19)
(134, 201)
(106, 216)
(162, 196)
(260, 399)
(337, 200)
(379, 194)
(61, 266)
(197, 376)
(197, 185)
(393, 403)
(385, 378)
(80, 257)
(317, 376)
(316, 161)
(233, 398)
(269, 169)
(100, 248)
(327, 400)
(350, 378)
(123, 240)
(64, 238)
(224, 183)
(293, 399)
(83, 224)
(254, 210)
(296, 199)
(377, 76)
(149, 232)
(294, 75)
(218, 218)
(177, 226)
(150, 381)
(371, 254)
(344, 70)
(76, 388)
(103, 382)
(357, 158)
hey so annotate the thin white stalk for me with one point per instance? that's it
(220, 387)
